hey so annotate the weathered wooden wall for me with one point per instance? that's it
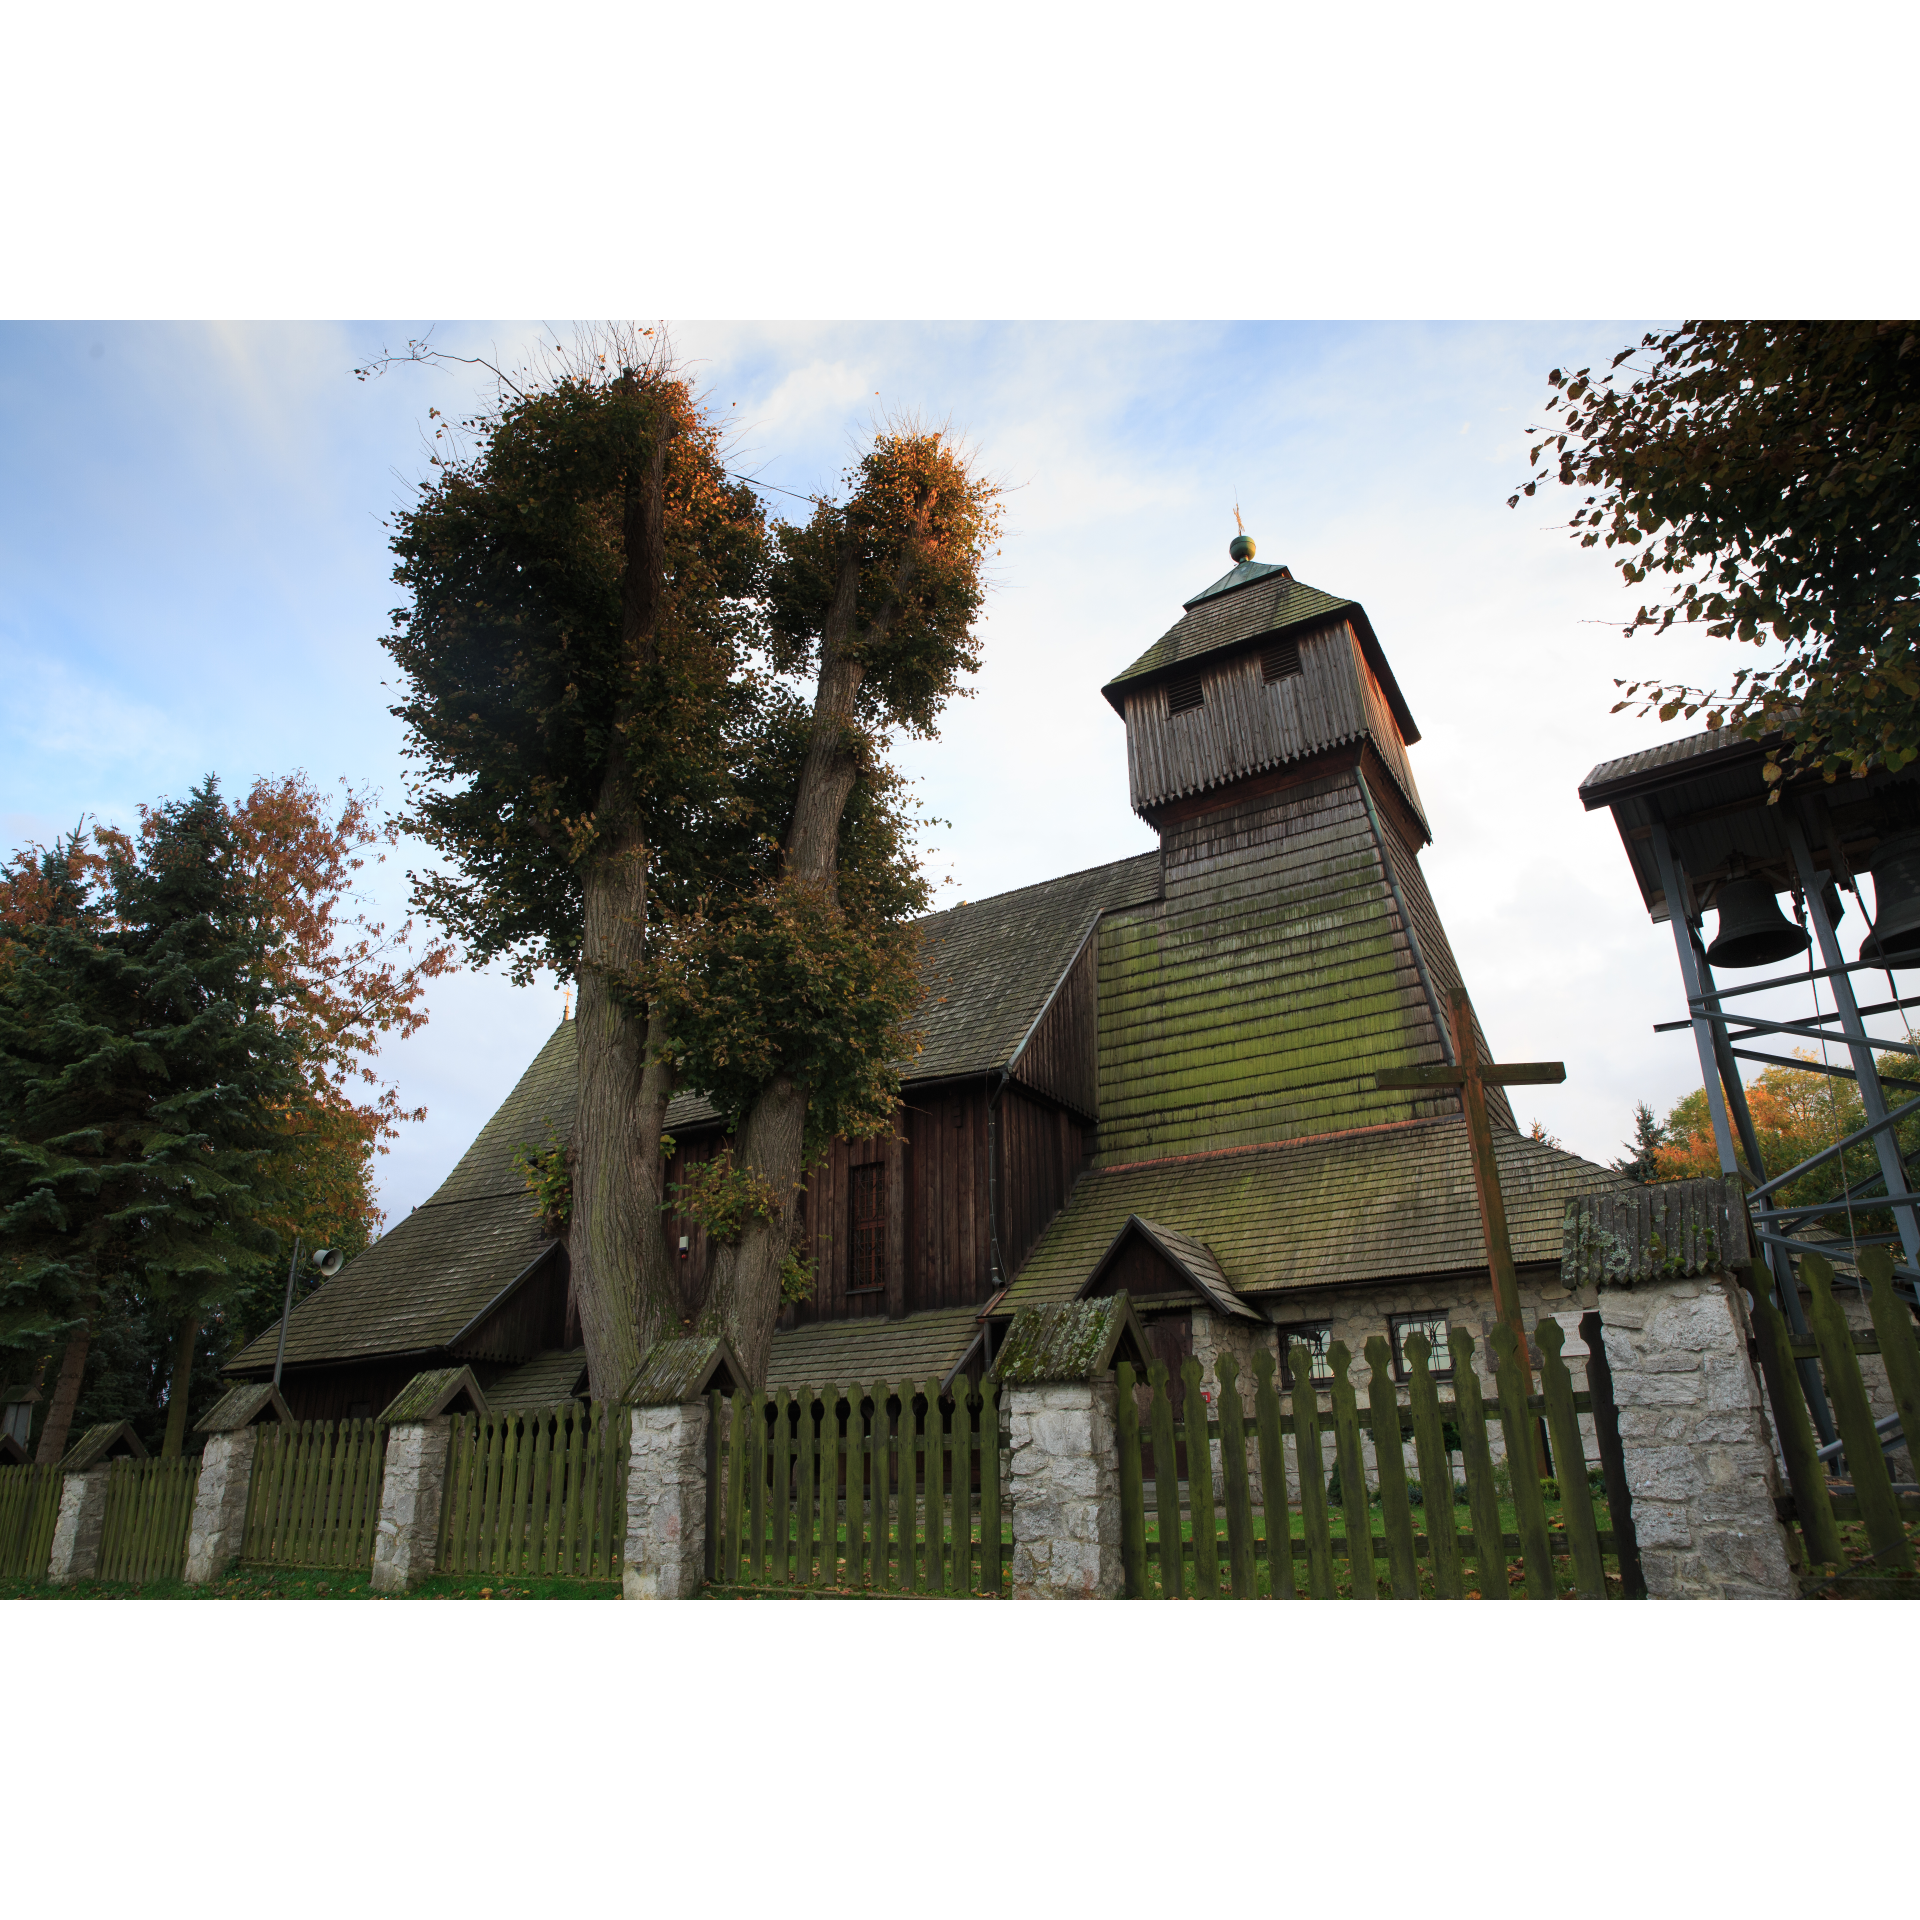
(533, 1319)
(1142, 1270)
(1062, 1057)
(1043, 1151)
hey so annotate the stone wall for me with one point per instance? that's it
(1064, 1491)
(1359, 1313)
(666, 1550)
(1699, 1448)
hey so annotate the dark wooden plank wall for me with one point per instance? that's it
(827, 1237)
(1043, 1151)
(1062, 1059)
(946, 1163)
(532, 1320)
(1141, 1269)
(357, 1391)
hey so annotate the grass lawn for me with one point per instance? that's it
(311, 1583)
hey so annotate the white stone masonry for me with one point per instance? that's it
(1700, 1462)
(408, 1533)
(666, 1550)
(78, 1527)
(1064, 1491)
(220, 1505)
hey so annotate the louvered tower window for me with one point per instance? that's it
(1184, 694)
(1280, 660)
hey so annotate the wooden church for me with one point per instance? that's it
(1155, 1075)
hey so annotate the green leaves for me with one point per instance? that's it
(1770, 471)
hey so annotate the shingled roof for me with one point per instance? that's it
(991, 964)
(1266, 602)
(1385, 1203)
(843, 1353)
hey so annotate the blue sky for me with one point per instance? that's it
(194, 577)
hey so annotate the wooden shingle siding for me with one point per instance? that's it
(1250, 724)
(1256, 1001)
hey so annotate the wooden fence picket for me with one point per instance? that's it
(1483, 1497)
(1133, 1498)
(149, 1509)
(1311, 1461)
(1234, 1485)
(1563, 1429)
(991, 1556)
(1200, 1511)
(29, 1509)
(1353, 1476)
(1166, 1485)
(1436, 1469)
(1390, 1469)
(1517, 1425)
(1273, 1480)
(1853, 1415)
(1899, 1346)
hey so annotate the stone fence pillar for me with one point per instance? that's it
(232, 1426)
(407, 1535)
(1056, 1373)
(78, 1528)
(1668, 1263)
(666, 1550)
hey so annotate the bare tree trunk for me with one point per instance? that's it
(180, 1386)
(771, 1139)
(66, 1389)
(616, 1240)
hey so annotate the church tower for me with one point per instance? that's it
(1295, 950)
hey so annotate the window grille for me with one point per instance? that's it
(867, 1211)
(1316, 1338)
(1434, 1326)
(1184, 694)
(1280, 659)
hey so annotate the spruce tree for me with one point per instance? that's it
(143, 1085)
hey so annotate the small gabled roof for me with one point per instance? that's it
(243, 1406)
(1071, 1340)
(1190, 1257)
(439, 1390)
(682, 1368)
(1257, 603)
(1666, 1230)
(856, 1353)
(110, 1440)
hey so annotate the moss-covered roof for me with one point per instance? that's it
(544, 1381)
(241, 1406)
(843, 1353)
(110, 1440)
(1257, 606)
(681, 1368)
(1068, 1340)
(1640, 1233)
(436, 1391)
(1389, 1203)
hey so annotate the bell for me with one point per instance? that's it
(1753, 931)
(1895, 939)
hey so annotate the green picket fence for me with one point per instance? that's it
(29, 1506)
(315, 1494)
(1865, 1498)
(537, 1493)
(885, 1489)
(1420, 1550)
(143, 1535)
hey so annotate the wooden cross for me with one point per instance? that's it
(1473, 1076)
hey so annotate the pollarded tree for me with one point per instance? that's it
(625, 793)
(583, 592)
(789, 1000)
